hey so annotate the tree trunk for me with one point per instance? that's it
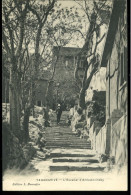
(82, 98)
(47, 95)
(26, 124)
(14, 97)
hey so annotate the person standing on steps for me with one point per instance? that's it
(58, 113)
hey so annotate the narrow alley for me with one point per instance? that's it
(64, 95)
(71, 164)
(67, 152)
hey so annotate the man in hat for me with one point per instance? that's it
(58, 112)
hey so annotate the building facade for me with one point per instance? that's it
(65, 88)
(111, 139)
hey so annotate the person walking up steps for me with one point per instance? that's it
(58, 112)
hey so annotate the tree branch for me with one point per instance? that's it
(48, 10)
(34, 12)
(4, 39)
(22, 21)
(88, 80)
(97, 43)
(10, 32)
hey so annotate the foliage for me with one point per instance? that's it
(30, 29)
(96, 108)
(88, 56)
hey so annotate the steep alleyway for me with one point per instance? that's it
(61, 136)
(67, 152)
(70, 165)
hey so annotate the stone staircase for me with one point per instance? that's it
(62, 137)
(74, 160)
(68, 152)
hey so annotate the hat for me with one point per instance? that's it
(58, 105)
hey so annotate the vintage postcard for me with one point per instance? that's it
(64, 95)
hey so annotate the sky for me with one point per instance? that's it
(80, 42)
(73, 43)
(69, 4)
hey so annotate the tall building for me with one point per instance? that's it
(65, 88)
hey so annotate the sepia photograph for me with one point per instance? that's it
(64, 95)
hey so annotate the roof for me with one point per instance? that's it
(118, 6)
(66, 51)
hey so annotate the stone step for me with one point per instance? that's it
(74, 159)
(60, 134)
(52, 155)
(68, 138)
(66, 142)
(59, 129)
(68, 147)
(65, 138)
(76, 168)
(55, 132)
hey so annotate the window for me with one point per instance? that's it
(38, 103)
(123, 66)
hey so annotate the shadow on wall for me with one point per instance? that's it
(119, 141)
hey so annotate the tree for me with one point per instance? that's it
(88, 55)
(14, 16)
(27, 24)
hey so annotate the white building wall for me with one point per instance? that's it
(98, 83)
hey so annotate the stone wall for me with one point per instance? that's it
(119, 141)
(92, 136)
(116, 92)
(101, 140)
(111, 139)
(93, 132)
(100, 137)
